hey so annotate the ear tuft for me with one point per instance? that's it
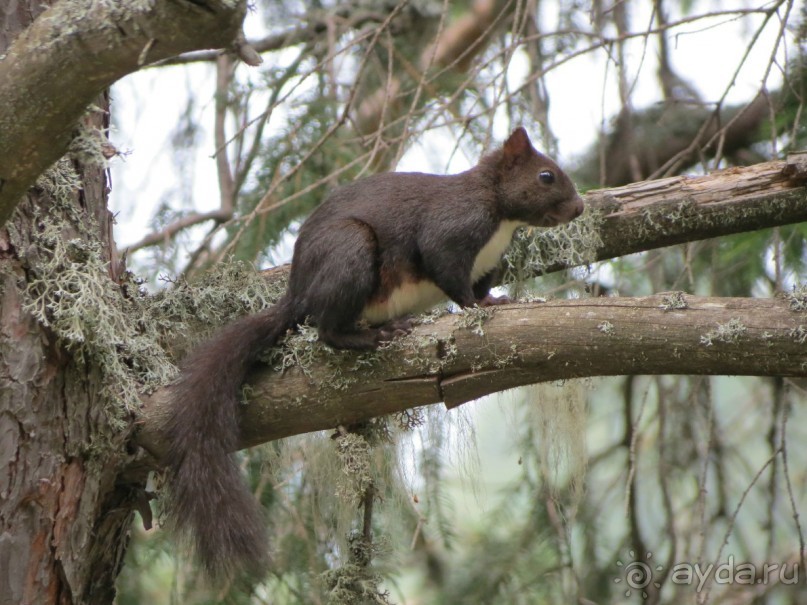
(517, 146)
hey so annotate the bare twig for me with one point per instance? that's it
(225, 67)
(165, 235)
(293, 36)
(791, 497)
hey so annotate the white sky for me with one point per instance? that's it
(147, 107)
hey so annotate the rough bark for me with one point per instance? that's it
(64, 519)
(459, 358)
(75, 50)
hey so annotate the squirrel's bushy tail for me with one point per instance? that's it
(208, 500)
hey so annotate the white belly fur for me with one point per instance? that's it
(416, 297)
(490, 255)
(410, 297)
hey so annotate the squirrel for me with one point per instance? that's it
(375, 251)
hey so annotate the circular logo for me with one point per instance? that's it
(637, 575)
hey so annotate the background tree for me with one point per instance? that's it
(680, 469)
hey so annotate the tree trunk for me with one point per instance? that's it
(63, 519)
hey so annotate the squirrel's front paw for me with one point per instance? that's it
(492, 301)
(393, 329)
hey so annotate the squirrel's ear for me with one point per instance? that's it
(517, 146)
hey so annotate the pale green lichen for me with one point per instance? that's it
(687, 215)
(474, 318)
(797, 298)
(354, 454)
(431, 316)
(557, 415)
(69, 289)
(501, 361)
(728, 332)
(229, 290)
(606, 327)
(666, 218)
(673, 301)
(354, 582)
(799, 334)
(535, 251)
(90, 147)
(114, 326)
(301, 349)
(60, 180)
(426, 353)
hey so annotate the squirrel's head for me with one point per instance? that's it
(531, 187)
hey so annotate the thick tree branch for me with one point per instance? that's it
(653, 214)
(73, 51)
(462, 357)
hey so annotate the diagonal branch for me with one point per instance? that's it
(165, 235)
(72, 52)
(311, 31)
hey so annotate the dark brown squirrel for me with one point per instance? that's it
(375, 250)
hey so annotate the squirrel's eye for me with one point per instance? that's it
(547, 177)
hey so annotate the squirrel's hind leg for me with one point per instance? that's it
(342, 284)
(368, 338)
